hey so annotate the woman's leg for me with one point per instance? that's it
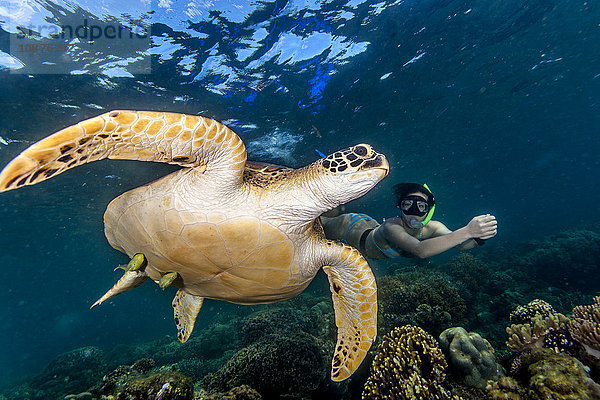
(348, 228)
(335, 227)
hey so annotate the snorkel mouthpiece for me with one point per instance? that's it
(414, 223)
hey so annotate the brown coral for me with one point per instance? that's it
(547, 375)
(161, 385)
(585, 327)
(532, 335)
(559, 376)
(471, 357)
(408, 365)
(506, 388)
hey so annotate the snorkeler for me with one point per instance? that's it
(413, 233)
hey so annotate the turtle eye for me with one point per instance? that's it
(360, 150)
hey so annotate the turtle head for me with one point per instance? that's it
(352, 172)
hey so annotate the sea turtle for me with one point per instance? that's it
(222, 228)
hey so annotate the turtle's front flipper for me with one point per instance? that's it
(134, 276)
(186, 308)
(187, 140)
(354, 295)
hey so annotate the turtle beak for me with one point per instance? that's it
(385, 166)
(380, 164)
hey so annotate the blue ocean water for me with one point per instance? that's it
(494, 104)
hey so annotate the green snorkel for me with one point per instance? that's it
(431, 210)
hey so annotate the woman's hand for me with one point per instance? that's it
(483, 226)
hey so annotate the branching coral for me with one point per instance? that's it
(585, 326)
(408, 365)
(533, 335)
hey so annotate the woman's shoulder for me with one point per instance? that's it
(435, 225)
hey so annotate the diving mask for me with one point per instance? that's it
(414, 205)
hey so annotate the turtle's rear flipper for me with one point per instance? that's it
(354, 296)
(186, 308)
(131, 279)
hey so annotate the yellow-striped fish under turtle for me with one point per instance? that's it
(222, 227)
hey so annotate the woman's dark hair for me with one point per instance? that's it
(401, 190)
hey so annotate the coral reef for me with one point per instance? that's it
(470, 356)
(545, 362)
(113, 382)
(408, 365)
(566, 259)
(507, 388)
(243, 392)
(283, 350)
(553, 375)
(69, 373)
(585, 327)
(141, 381)
(471, 271)
(547, 375)
(210, 343)
(161, 385)
(80, 396)
(422, 298)
(559, 376)
(274, 365)
(277, 321)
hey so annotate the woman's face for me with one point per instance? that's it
(412, 204)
